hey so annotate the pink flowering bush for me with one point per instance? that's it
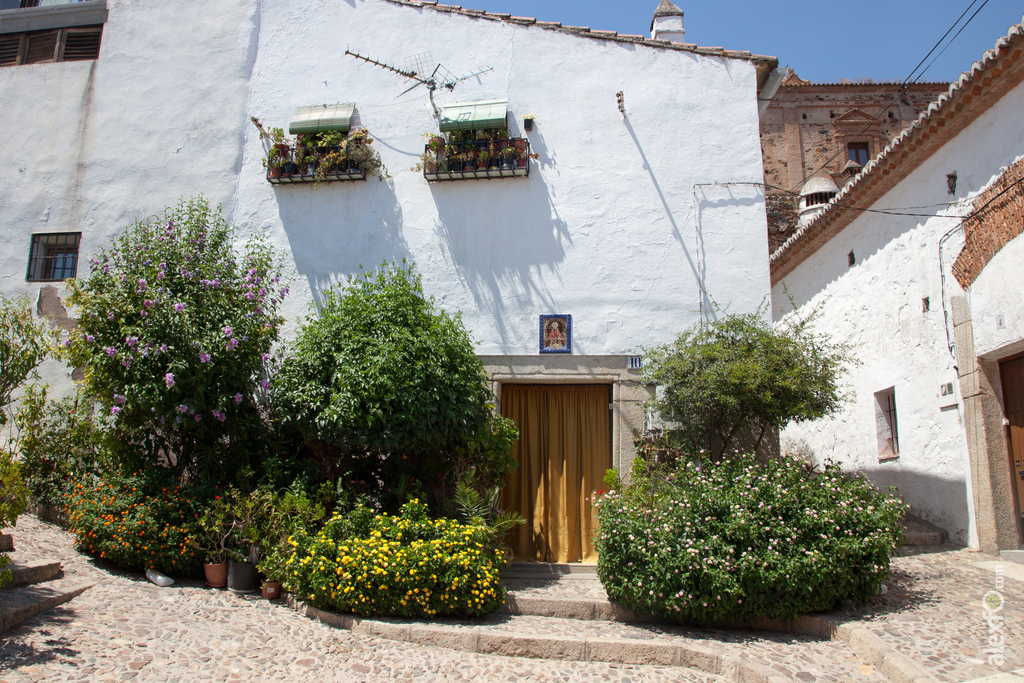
(174, 333)
(700, 544)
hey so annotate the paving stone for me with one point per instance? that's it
(932, 614)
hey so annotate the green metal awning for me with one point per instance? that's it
(474, 115)
(322, 117)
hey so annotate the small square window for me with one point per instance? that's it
(858, 152)
(53, 257)
(886, 426)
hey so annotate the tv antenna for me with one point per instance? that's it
(416, 68)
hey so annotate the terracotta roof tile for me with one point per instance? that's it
(764, 62)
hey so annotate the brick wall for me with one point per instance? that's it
(997, 220)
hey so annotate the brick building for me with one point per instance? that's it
(829, 130)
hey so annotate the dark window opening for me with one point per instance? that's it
(816, 198)
(53, 257)
(858, 152)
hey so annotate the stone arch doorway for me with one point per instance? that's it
(563, 451)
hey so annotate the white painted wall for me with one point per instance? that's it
(876, 307)
(997, 303)
(609, 227)
(604, 228)
(90, 146)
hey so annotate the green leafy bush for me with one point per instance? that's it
(742, 375)
(406, 565)
(139, 522)
(740, 540)
(23, 346)
(60, 444)
(174, 333)
(13, 501)
(385, 386)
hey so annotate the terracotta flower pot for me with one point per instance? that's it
(216, 575)
(271, 590)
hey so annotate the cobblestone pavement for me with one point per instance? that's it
(933, 611)
(125, 628)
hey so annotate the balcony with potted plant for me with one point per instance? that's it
(478, 144)
(473, 154)
(325, 148)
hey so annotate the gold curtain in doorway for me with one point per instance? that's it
(563, 451)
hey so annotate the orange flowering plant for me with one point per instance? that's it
(139, 522)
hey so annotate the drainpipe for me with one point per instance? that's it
(771, 86)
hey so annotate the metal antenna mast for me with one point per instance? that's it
(440, 77)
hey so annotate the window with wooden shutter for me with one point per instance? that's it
(81, 43)
(10, 47)
(57, 45)
(42, 47)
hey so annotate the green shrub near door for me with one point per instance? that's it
(740, 540)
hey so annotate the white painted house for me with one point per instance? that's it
(641, 202)
(917, 264)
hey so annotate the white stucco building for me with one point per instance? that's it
(917, 264)
(641, 205)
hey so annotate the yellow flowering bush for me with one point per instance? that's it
(406, 565)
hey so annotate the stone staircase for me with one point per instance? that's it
(562, 591)
(34, 588)
(918, 532)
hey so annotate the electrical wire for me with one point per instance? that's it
(951, 40)
(904, 84)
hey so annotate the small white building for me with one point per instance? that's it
(641, 205)
(916, 263)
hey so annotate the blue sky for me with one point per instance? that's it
(822, 41)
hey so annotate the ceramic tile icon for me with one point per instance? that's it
(556, 333)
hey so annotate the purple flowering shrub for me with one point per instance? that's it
(174, 333)
(741, 540)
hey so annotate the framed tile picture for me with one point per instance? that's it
(556, 333)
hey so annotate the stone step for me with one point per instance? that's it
(549, 570)
(25, 573)
(20, 604)
(918, 532)
(488, 639)
(585, 609)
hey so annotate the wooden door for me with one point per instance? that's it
(1011, 374)
(563, 451)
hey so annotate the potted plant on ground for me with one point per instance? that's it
(284, 515)
(216, 529)
(243, 513)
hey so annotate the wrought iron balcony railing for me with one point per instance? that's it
(505, 158)
(313, 165)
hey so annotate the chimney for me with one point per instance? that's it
(668, 23)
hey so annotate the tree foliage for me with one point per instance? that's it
(382, 376)
(174, 332)
(23, 346)
(742, 374)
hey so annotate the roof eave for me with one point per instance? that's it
(1000, 70)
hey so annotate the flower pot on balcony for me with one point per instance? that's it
(520, 147)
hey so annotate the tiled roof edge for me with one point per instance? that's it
(917, 132)
(586, 32)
